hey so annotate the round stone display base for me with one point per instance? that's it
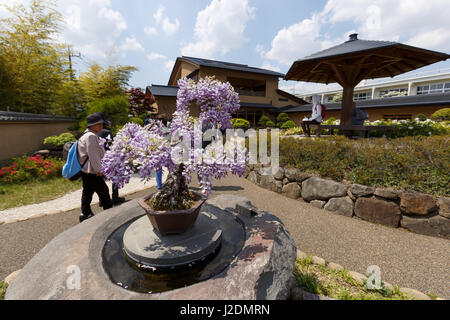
(146, 246)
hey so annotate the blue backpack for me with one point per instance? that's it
(72, 169)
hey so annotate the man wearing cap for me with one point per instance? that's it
(91, 174)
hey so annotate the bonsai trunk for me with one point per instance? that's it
(174, 194)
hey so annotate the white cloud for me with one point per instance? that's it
(267, 65)
(155, 56)
(114, 17)
(422, 23)
(94, 28)
(295, 41)
(151, 31)
(170, 28)
(159, 14)
(100, 3)
(131, 44)
(162, 21)
(169, 65)
(219, 28)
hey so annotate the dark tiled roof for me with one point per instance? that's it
(349, 47)
(378, 59)
(20, 116)
(291, 96)
(166, 91)
(269, 107)
(231, 66)
(406, 101)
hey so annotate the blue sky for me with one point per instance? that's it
(151, 34)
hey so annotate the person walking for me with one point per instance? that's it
(91, 174)
(106, 133)
(316, 117)
(166, 132)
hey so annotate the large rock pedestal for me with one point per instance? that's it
(71, 265)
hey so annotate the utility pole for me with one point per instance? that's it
(72, 55)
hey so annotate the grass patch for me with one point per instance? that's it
(3, 287)
(16, 195)
(338, 284)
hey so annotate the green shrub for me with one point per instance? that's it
(441, 115)
(416, 163)
(288, 125)
(59, 141)
(270, 124)
(137, 120)
(421, 117)
(115, 110)
(263, 120)
(282, 118)
(240, 123)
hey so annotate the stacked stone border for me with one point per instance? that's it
(417, 212)
(300, 294)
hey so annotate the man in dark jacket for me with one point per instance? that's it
(105, 133)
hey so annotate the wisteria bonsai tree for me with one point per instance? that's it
(146, 149)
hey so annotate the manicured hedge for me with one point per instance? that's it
(417, 163)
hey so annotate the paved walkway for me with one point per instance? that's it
(68, 202)
(406, 259)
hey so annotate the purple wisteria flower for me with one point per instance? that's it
(145, 149)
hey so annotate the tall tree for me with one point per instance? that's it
(35, 64)
(99, 83)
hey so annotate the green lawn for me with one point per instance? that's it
(3, 287)
(17, 195)
(336, 284)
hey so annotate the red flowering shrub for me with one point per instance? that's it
(29, 168)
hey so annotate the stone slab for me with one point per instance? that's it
(146, 246)
(378, 211)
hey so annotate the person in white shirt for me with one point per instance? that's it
(316, 117)
(91, 174)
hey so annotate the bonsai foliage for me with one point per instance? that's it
(240, 123)
(441, 115)
(282, 118)
(146, 149)
(263, 120)
(288, 125)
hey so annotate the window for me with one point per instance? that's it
(362, 96)
(248, 87)
(251, 116)
(434, 88)
(283, 99)
(393, 92)
(397, 117)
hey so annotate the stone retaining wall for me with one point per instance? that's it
(417, 212)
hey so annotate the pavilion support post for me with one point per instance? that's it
(347, 105)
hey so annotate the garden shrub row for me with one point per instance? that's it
(412, 163)
(402, 128)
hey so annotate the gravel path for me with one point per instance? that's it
(406, 259)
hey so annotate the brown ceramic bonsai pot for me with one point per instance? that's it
(173, 222)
